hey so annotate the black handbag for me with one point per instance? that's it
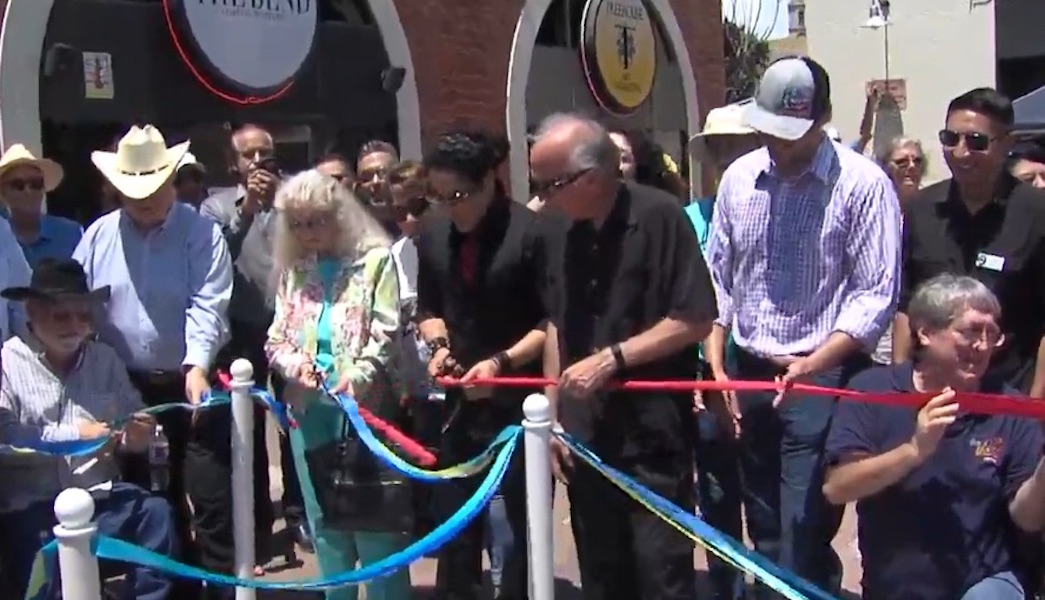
(357, 491)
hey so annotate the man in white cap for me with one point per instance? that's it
(190, 181)
(805, 257)
(724, 138)
(171, 279)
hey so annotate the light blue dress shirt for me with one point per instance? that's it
(170, 288)
(14, 272)
(58, 237)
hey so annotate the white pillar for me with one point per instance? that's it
(74, 509)
(243, 472)
(539, 496)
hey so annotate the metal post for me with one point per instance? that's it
(243, 472)
(74, 509)
(539, 496)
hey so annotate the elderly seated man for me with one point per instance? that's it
(60, 385)
(939, 492)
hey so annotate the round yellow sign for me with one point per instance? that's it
(619, 53)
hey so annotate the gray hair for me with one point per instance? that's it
(885, 153)
(311, 190)
(944, 298)
(593, 149)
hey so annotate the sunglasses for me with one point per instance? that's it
(974, 141)
(908, 161)
(544, 189)
(453, 199)
(371, 175)
(20, 185)
(414, 207)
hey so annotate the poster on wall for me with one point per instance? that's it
(97, 76)
(248, 51)
(619, 53)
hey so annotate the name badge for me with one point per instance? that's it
(989, 261)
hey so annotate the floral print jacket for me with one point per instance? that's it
(364, 320)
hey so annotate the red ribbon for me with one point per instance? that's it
(410, 446)
(973, 402)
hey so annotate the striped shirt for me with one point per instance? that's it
(795, 259)
(38, 404)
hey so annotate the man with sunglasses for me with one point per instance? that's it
(985, 223)
(629, 298)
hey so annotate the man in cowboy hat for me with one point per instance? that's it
(24, 179)
(59, 385)
(171, 281)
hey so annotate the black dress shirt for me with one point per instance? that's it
(485, 284)
(1002, 245)
(642, 266)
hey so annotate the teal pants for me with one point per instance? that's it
(336, 550)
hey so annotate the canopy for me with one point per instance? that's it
(1030, 111)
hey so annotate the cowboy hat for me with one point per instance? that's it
(725, 120)
(57, 278)
(142, 162)
(18, 155)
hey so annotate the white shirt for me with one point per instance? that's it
(14, 272)
(404, 253)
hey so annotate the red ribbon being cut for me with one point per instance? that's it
(973, 402)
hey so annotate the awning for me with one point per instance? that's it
(1030, 111)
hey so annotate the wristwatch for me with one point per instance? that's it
(437, 344)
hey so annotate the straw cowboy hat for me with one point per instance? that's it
(725, 120)
(18, 155)
(142, 162)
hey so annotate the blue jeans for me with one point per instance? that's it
(1002, 586)
(128, 513)
(719, 499)
(499, 538)
(781, 461)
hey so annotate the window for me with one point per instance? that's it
(796, 16)
(354, 12)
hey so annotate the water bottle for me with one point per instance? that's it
(159, 461)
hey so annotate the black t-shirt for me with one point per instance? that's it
(946, 525)
(1002, 245)
(611, 284)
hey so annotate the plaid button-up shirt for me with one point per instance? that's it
(796, 259)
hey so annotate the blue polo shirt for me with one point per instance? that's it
(946, 525)
(57, 239)
(700, 212)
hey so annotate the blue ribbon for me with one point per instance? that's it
(756, 564)
(118, 550)
(77, 448)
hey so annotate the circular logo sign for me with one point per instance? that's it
(619, 53)
(255, 46)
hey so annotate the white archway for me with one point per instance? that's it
(21, 49)
(519, 64)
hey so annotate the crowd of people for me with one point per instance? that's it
(376, 277)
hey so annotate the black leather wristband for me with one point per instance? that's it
(438, 343)
(503, 360)
(618, 357)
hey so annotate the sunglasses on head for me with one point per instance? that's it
(20, 185)
(974, 141)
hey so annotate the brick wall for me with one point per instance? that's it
(460, 51)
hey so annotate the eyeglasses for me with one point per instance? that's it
(988, 337)
(908, 161)
(974, 140)
(544, 189)
(308, 224)
(20, 185)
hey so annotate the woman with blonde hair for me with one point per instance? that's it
(337, 321)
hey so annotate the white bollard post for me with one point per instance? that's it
(74, 509)
(243, 472)
(537, 433)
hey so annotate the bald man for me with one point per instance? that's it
(630, 299)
